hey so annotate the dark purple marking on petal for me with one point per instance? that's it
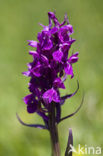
(30, 125)
(69, 151)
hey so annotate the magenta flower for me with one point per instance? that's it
(51, 95)
(52, 63)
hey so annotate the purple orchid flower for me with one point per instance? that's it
(48, 71)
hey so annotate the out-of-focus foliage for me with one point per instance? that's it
(18, 23)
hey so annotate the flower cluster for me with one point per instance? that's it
(50, 66)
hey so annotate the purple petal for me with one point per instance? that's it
(39, 37)
(26, 73)
(64, 33)
(45, 28)
(67, 28)
(52, 17)
(29, 65)
(57, 56)
(32, 43)
(70, 29)
(69, 70)
(51, 14)
(32, 108)
(27, 99)
(45, 41)
(71, 41)
(31, 103)
(58, 83)
(63, 36)
(44, 60)
(34, 53)
(65, 20)
(73, 58)
(65, 46)
(36, 71)
(36, 92)
(47, 44)
(54, 30)
(51, 95)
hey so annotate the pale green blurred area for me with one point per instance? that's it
(18, 23)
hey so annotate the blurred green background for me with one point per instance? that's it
(18, 23)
